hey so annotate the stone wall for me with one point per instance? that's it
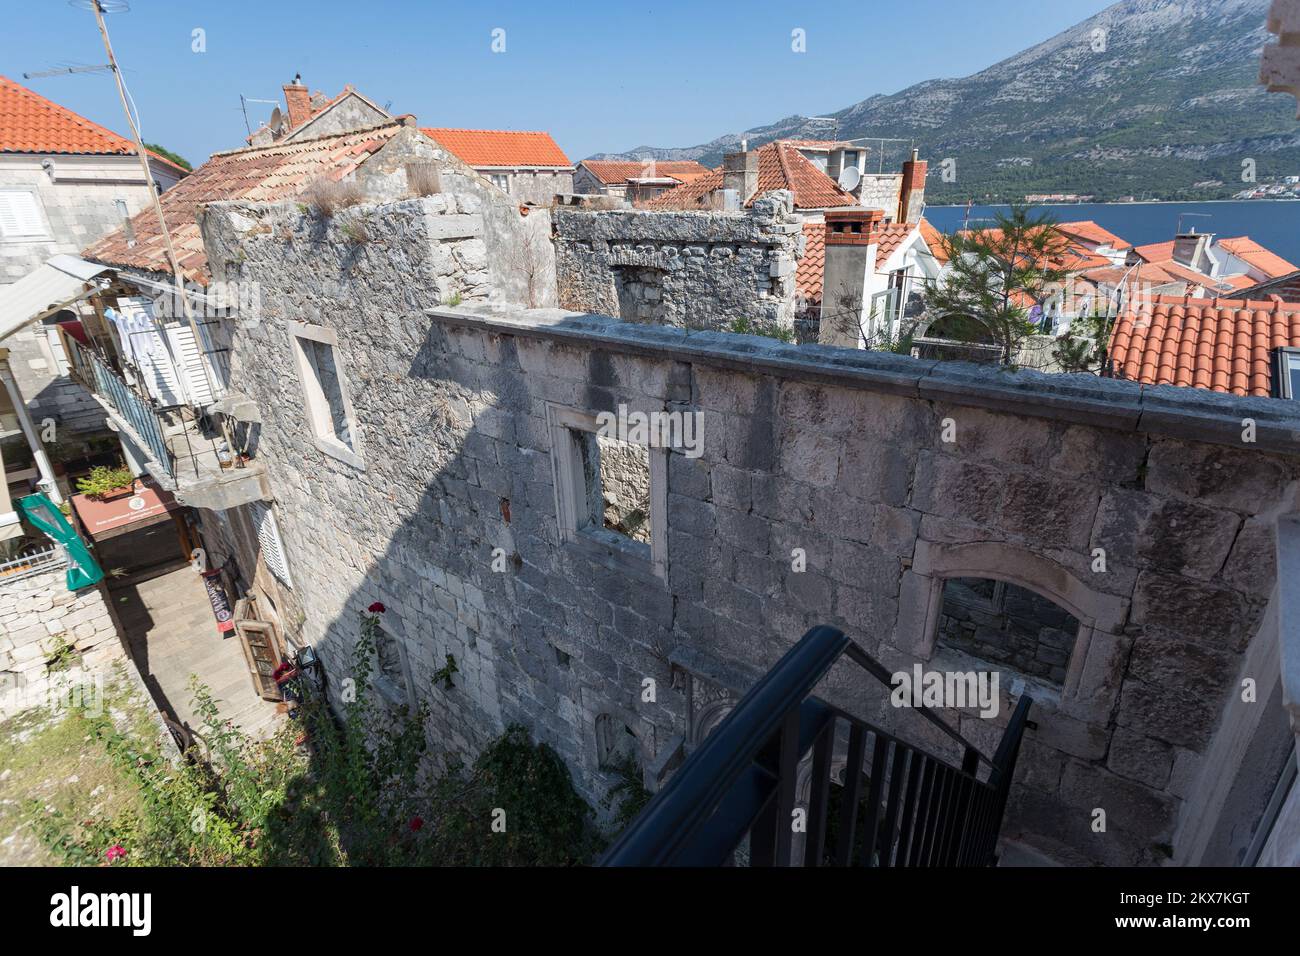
(834, 487)
(685, 269)
(540, 186)
(41, 621)
(880, 191)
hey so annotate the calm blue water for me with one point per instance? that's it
(1274, 225)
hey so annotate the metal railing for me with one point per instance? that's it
(95, 374)
(176, 447)
(53, 558)
(740, 784)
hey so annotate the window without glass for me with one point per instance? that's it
(611, 494)
(1008, 626)
(325, 393)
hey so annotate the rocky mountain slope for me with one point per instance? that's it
(1155, 98)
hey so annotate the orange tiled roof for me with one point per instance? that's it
(889, 238)
(1194, 278)
(1225, 345)
(1286, 288)
(1147, 273)
(780, 166)
(258, 174)
(504, 148)
(615, 172)
(811, 270)
(1090, 231)
(810, 273)
(1271, 264)
(934, 239)
(1073, 257)
(1156, 251)
(29, 123)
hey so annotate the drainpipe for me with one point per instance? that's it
(47, 482)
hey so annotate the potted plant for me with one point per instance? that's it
(106, 484)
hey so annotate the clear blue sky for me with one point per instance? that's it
(600, 76)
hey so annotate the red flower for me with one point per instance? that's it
(416, 823)
(377, 608)
(115, 852)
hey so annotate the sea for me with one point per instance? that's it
(1274, 224)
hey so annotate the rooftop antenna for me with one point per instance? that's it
(1190, 215)
(65, 70)
(101, 7)
(243, 105)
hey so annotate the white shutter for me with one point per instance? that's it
(20, 215)
(143, 344)
(268, 537)
(191, 362)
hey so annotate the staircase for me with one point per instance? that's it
(733, 801)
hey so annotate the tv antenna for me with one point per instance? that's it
(243, 105)
(99, 8)
(65, 70)
(1191, 215)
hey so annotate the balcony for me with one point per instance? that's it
(733, 800)
(205, 459)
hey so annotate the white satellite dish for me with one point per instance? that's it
(275, 118)
(850, 176)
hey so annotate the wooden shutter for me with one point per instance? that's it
(268, 537)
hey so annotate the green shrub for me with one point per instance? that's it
(102, 480)
(355, 795)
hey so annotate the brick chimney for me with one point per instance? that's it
(911, 194)
(1191, 249)
(851, 245)
(297, 98)
(740, 172)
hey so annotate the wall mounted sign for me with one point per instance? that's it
(220, 603)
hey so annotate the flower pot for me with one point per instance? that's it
(115, 493)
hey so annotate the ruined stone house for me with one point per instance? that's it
(444, 464)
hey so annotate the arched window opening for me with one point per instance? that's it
(1008, 626)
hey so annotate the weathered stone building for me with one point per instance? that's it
(690, 270)
(442, 468)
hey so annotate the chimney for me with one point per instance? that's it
(850, 260)
(740, 172)
(1190, 249)
(297, 99)
(911, 194)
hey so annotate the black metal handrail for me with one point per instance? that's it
(741, 783)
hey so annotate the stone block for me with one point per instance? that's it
(1139, 758)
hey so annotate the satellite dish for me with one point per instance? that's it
(275, 118)
(850, 176)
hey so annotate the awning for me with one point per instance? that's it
(55, 285)
(149, 505)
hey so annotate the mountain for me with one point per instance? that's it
(1154, 98)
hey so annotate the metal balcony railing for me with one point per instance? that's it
(174, 442)
(739, 786)
(95, 374)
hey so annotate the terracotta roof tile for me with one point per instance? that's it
(1225, 345)
(1272, 265)
(1090, 231)
(811, 270)
(780, 166)
(614, 172)
(504, 148)
(259, 174)
(934, 239)
(29, 123)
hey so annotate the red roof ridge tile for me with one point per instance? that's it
(291, 144)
